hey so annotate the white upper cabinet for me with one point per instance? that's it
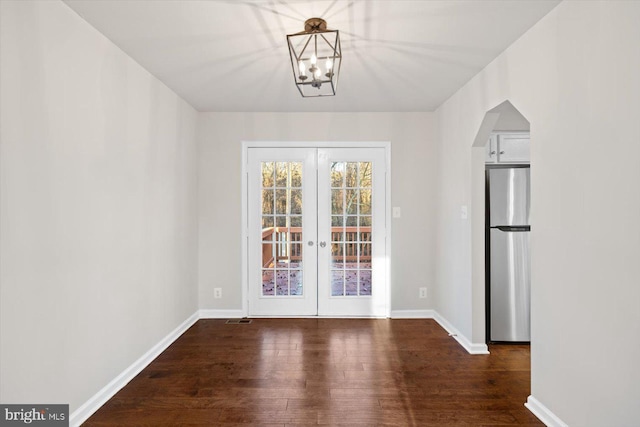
(508, 148)
(513, 148)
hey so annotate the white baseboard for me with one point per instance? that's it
(412, 314)
(543, 413)
(220, 314)
(472, 348)
(81, 414)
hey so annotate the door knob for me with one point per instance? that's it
(310, 243)
(323, 244)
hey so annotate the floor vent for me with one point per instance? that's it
(238, 321)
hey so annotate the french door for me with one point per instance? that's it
(316, 231)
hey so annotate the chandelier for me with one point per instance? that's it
(315, 58)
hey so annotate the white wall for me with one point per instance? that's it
(510, 119)
(413, 189)
(98, 209)
(574, 76)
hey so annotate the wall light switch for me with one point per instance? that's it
(464, 212)
(396, 212)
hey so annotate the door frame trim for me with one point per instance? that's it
(246, 145)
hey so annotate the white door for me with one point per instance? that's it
(316, 231)
(351, 223)
(282, 231)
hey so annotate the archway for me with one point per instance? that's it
(502, 118)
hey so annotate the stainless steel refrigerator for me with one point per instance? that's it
(508, 264)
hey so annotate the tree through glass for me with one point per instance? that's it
(281, 228)
(351, 228)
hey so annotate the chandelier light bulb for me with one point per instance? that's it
(314, 59)
(301, 67)
(329, 65)
(317, 73)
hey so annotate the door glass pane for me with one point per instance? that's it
(296, 174)
(295, 197)
(267, 222)
(351, 177)
(282, 229)
(268, 169)
(337, 255)
(267, 201)
(295, 282)
(364, 255)
(364, 282)
(350, 282)
(337, 283)
(365, 174)
(351, 200)
(337, 175)
(282, 201)
(282, 173)
(268, 284)
(365, 201)
(296, 255)
(351, 250)
(337, 201)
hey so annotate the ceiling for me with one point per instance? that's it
(232, 55)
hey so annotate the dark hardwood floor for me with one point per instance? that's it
(351, 372)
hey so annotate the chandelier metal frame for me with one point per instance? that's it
(316, 57)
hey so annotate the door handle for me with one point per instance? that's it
(310, 243)
(323, 244)
(512, 228)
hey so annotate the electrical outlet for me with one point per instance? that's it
(422, 292)
(217, 293)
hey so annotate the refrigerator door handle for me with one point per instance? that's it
(512, 228)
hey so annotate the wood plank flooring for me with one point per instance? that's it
(301, 372)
